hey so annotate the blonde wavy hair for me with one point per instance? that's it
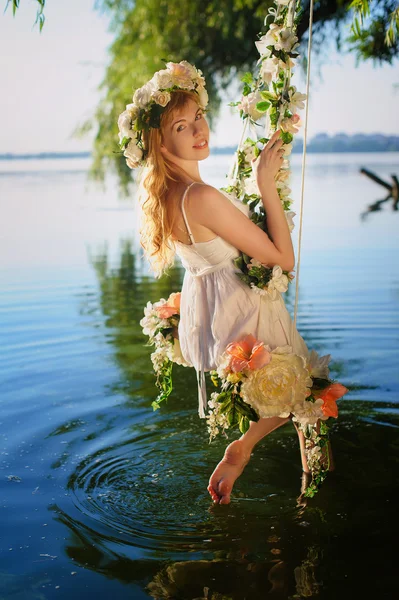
(158, 177)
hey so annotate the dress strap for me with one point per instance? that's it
(184, 212)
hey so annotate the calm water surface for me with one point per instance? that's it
(100, 495)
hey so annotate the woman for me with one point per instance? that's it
(183, 215)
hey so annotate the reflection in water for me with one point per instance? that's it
(122, 295)
(226, 580)
(305, 576)
(393, 193)
(236, 572)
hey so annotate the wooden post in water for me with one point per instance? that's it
(392, 188)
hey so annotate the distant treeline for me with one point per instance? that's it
(322, 142)
(44, 155)
(340, 142)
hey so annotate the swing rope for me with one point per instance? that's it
(305, 131)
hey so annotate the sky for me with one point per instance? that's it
(49, 83)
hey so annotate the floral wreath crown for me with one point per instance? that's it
(149, 102)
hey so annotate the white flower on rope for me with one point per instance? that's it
(271, 95)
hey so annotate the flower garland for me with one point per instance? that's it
(257, 382)
(149, 103)
(269, 95)
(160, 323)
(254, 382)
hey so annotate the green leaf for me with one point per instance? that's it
(124, 142)
(268, 96)
(247, 77)
(244, 424)
(223, 395)
(246, 90)
(156, 111)
(239, 262)
(232, 416)
(324, 428)
(286, 137)
(225, 404)
(164, 383)
(247, 259)
(253, 204)
(262, 106)
(215, 380)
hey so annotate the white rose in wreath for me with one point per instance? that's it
(161, 98)
(192, 71)
(162, 80)
(203, 95)
(133, 153)
(125, 125)
(142, 96)
(133, 111)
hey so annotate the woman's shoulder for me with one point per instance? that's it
(207, 204)
(205, 191)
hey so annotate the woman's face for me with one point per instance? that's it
(185, 133)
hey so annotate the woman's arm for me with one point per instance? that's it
(277, 225)
(265, 168)
(211, 209)
(214, 211)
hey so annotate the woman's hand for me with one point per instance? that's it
(269, 161)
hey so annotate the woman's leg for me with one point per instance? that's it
(236, 456)
(238, 453)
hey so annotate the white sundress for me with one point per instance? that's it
(217, 308)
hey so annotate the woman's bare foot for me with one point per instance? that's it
(221, 482)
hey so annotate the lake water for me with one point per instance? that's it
(102, 496)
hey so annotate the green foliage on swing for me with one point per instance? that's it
(164, 383)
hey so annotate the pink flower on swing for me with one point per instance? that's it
(291, 124)
(248, 353)
(171, 306)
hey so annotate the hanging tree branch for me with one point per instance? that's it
(40, 18)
